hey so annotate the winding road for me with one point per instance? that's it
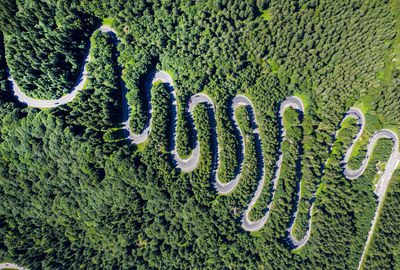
(191, 163)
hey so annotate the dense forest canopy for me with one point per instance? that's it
(75, 194)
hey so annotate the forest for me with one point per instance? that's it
(74, 193)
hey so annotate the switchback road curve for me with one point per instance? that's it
(189, 164)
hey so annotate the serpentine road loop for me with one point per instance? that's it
(189, 164)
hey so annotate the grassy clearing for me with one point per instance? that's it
(320, 189)
(298, 250)
(266, 14)
(274, 66)
(364, 104)
(305, 97)
(394, 128)
(256, 233)
(204, 91)
(186, 156)
(173, 76)
(156, 83)
(141, 146)
(85, 85)
(108, 21)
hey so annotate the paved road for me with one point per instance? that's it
(359, 116)
(247, 224)
(11, 265)
(191, 163)
(39, 103)
(391, 165)
(293, 242)
(383, 183)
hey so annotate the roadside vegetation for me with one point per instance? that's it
(37, 30)
(161, 124)
(251, 168)
(74, 195)
(284, 198)
(385, 243)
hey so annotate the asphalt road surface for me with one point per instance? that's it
(11, 265)
(191, 163)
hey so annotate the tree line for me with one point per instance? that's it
(74, 195)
